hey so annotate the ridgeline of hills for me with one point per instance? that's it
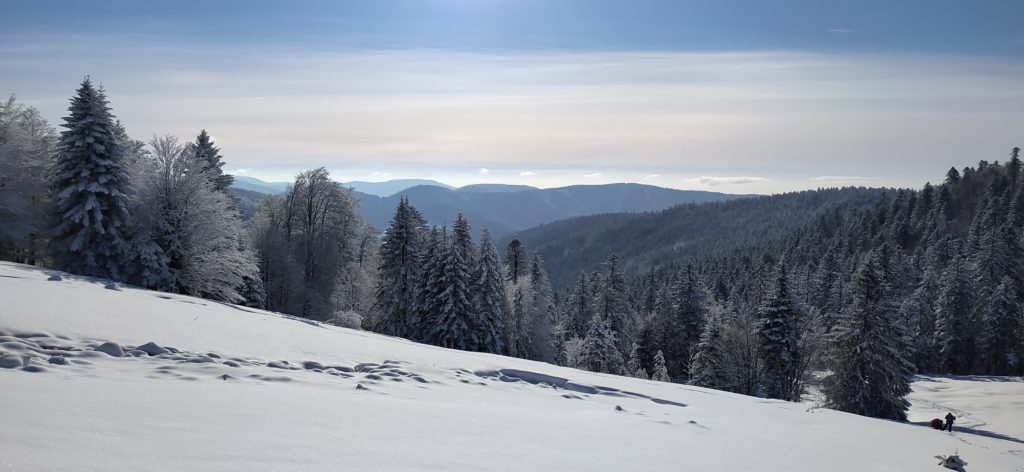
(647, 240)
(502, 209)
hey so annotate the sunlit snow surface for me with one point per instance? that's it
(241, 389)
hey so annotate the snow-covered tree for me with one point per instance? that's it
(953, 341)
(541, 313)
(711, 367)
(600, 349)
(210, 161)
(26, 154)
(611, 303)
(490, 299)
(633, 366)
(455, 325)
(1002, 327)
(90, 187)
(397, 271)
(517, 326)
(660, 372)
(196, 226)
(515, 261)
(869, 372)
(778, 332)
(577, 310)
(683, 327)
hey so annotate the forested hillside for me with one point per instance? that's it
(647, 240)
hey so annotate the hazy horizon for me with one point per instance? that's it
(737, 98)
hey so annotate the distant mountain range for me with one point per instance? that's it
(507, 208)
(380, 189)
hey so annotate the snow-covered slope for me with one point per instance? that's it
(248, 390)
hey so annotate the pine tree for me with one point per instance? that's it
(710, 366)
(777, 331)
(210, 160)
(490, 299)
(90, 186)
(660, 371)
(870, 374)
(396, 273)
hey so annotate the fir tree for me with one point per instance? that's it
(490, 299)
(870, 374)
(577, 310)
(683, 327)
(517, 327)
(396, 273)
(430, 270)
(90, 187)
(612, 304)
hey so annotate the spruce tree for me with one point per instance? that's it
(612, 304)
(210, 161)
(953, 342)
(396, 274)
(490, 300)
(1001, 328)
(517, 327)
(600, 349)
(778, 335)
(90, 187)
(633, 367)
(870, 373)
(455, 326)
(660, 372)
(710, 366)
(430, 269)
(576, 311)
(541, 313)
(515, 261)
(683, 328)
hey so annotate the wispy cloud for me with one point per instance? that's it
(652, 176)
(839, 178)
(594, 175)
(840, 30)
(527, 173)
(485, 171)
(715, 181)
(238, 171)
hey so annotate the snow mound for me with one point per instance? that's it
(244, 389)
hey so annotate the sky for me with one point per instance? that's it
(732, 96)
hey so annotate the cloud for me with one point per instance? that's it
(527, 173)
(652, 176)
(839, 178)
(840, 30)
(485, 171)
(238, 171)
(594, 175)
(715, 181)
(378, 175)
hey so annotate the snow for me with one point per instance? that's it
(233, 388)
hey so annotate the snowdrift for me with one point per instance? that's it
(98, 377)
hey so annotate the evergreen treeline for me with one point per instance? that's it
(866, 286)
(927, 281)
